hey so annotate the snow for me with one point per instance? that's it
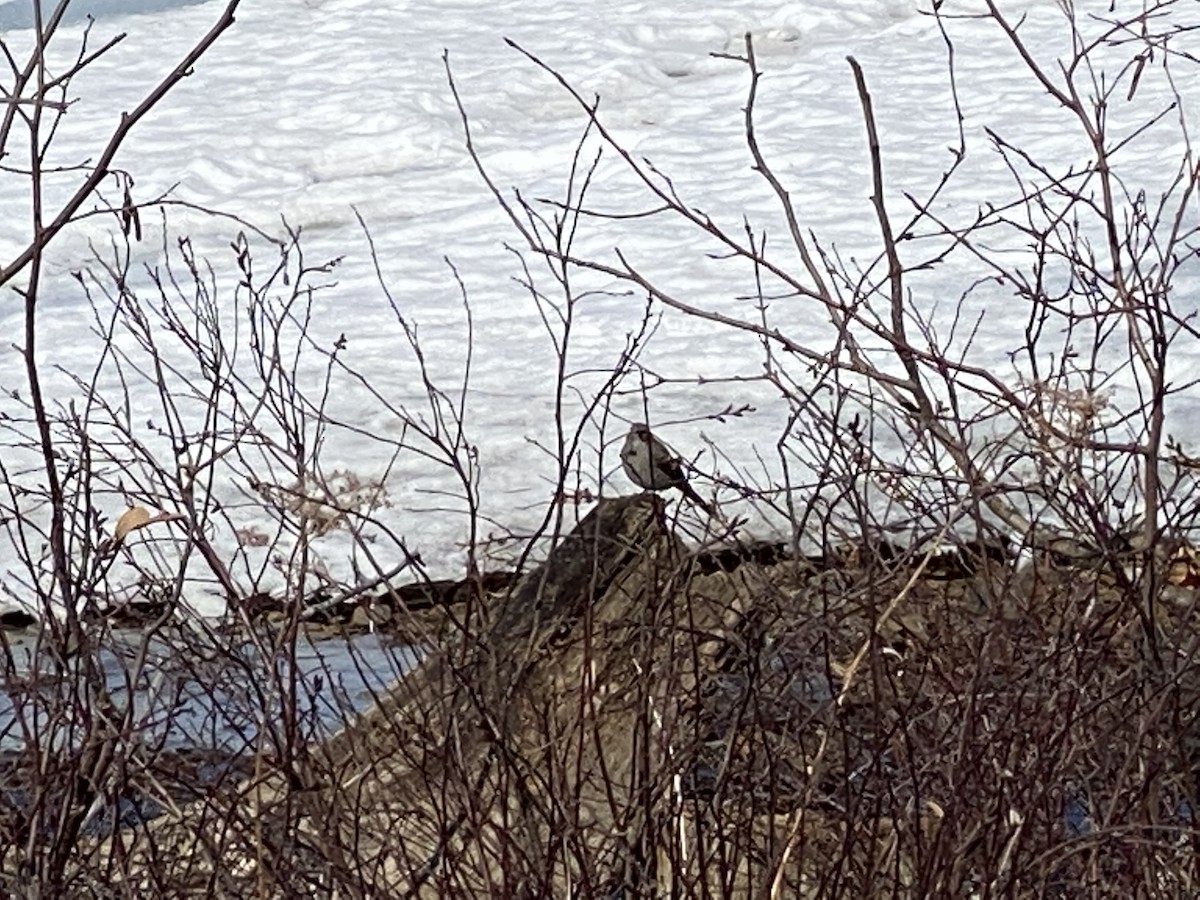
(321, 112)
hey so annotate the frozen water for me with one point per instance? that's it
(322, 111)
(20, 13)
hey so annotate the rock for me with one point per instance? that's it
(16, 618)
(369, 616)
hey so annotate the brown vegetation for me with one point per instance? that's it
(1003, 705)
(625, 722)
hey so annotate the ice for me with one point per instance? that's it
(323, 111)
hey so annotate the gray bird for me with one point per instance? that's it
(652, 465)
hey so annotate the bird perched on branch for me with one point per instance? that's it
(652, 465)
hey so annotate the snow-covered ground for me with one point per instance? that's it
(317, 112)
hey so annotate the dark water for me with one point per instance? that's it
(199, 707)
(194, 691)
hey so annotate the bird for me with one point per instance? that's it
(652, 465)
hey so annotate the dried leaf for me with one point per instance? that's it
(1183, 568)
(132, 519)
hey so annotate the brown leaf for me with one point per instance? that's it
(132, 519)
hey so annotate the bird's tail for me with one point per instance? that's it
(690, 493)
